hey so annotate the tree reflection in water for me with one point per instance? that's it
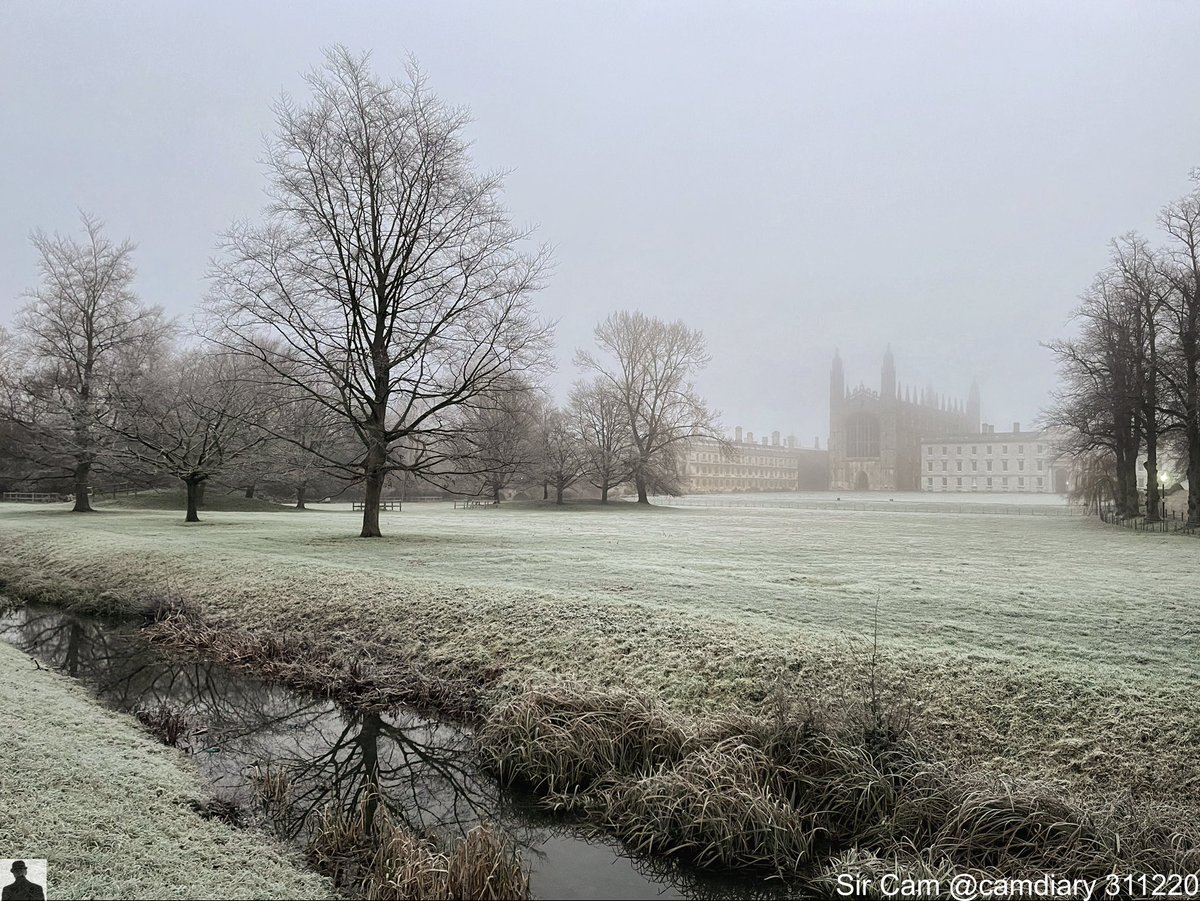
(331, 758)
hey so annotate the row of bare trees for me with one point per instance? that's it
(377, 321)
(1130, 380)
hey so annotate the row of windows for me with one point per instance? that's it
(958, 449)
(958, 465)
(1004, 482)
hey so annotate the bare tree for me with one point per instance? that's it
(599, 414)
(562, 456)
(649, 364)
(1180, 269)
(80, 333)
(496, 438)
(192, 419)
(386, 267)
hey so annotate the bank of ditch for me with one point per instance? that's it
(115, 813)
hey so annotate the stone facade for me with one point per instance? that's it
(774, 464)
(875, 436)
(990, 461)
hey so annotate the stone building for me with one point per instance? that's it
(875, 436)
(769, 464)
(1001, 462)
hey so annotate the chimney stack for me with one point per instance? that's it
(737, 434)
(775, 439)
(1016, 426)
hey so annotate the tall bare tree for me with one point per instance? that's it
(1180, 268)
(387, 268)
(561, 450)
(603, 426)
(650, 364)
(82, 331)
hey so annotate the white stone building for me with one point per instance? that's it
(1013, 462)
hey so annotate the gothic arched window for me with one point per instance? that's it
(862, 436)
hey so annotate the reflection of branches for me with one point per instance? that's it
(310, 758)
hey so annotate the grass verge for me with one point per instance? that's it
(113, 812)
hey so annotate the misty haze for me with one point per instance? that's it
(533, 450)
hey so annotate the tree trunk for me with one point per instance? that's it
(376, 461)
(604, 494)
(545, 491)
(193, 498)
(82, 501)
(301, 491)
(1153, 502)
(643, 494)
(250, 492)
(1193, 470)
(558, 493)
(496, 492)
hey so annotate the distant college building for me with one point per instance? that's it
(776, 464)
(875, 436)
(1015, 461)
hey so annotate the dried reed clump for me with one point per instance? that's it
(165, 722)
(567, 738)
(367, 852)
(721, 807)
(1015, 832)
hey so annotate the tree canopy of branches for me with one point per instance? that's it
(193, 418)
(81, 333)
(1130, 381)
(649, 365)
(600, 418)
(385, 268)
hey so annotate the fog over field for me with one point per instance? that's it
(789, 178)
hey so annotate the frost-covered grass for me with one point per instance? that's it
(109, 808)
(1048, 647)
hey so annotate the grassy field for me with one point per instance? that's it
(1050, 648)
(109, 806)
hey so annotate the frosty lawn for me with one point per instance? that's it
(108, 806)
(1053, 648)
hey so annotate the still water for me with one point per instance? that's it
(237, 728)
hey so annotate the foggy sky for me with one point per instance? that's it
(791, 178)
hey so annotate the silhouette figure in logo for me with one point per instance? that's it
(21, 889)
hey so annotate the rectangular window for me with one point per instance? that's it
(931, 466)
(943, 466)
(1004, 482)
(974, 448)
(1020, 448)
(1021, 481)
(943, 450)
(1004, 465)
(1041, 448)
(958, 465)
(1039, 481)
(1039, 465)
(929, 450)
(943, 481)
(989, 465)
(958, 450)
(929, 481)
(960, 482)
(989, 448)
(989, 481)
(1021, 465)
(974, 466)
(1004, 449)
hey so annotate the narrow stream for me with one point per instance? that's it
(236, 728)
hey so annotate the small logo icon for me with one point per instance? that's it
(23, 880)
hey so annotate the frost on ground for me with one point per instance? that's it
(110, 808)
(1048, 647)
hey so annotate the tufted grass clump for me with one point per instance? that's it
(371, 857)
(563, 739)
